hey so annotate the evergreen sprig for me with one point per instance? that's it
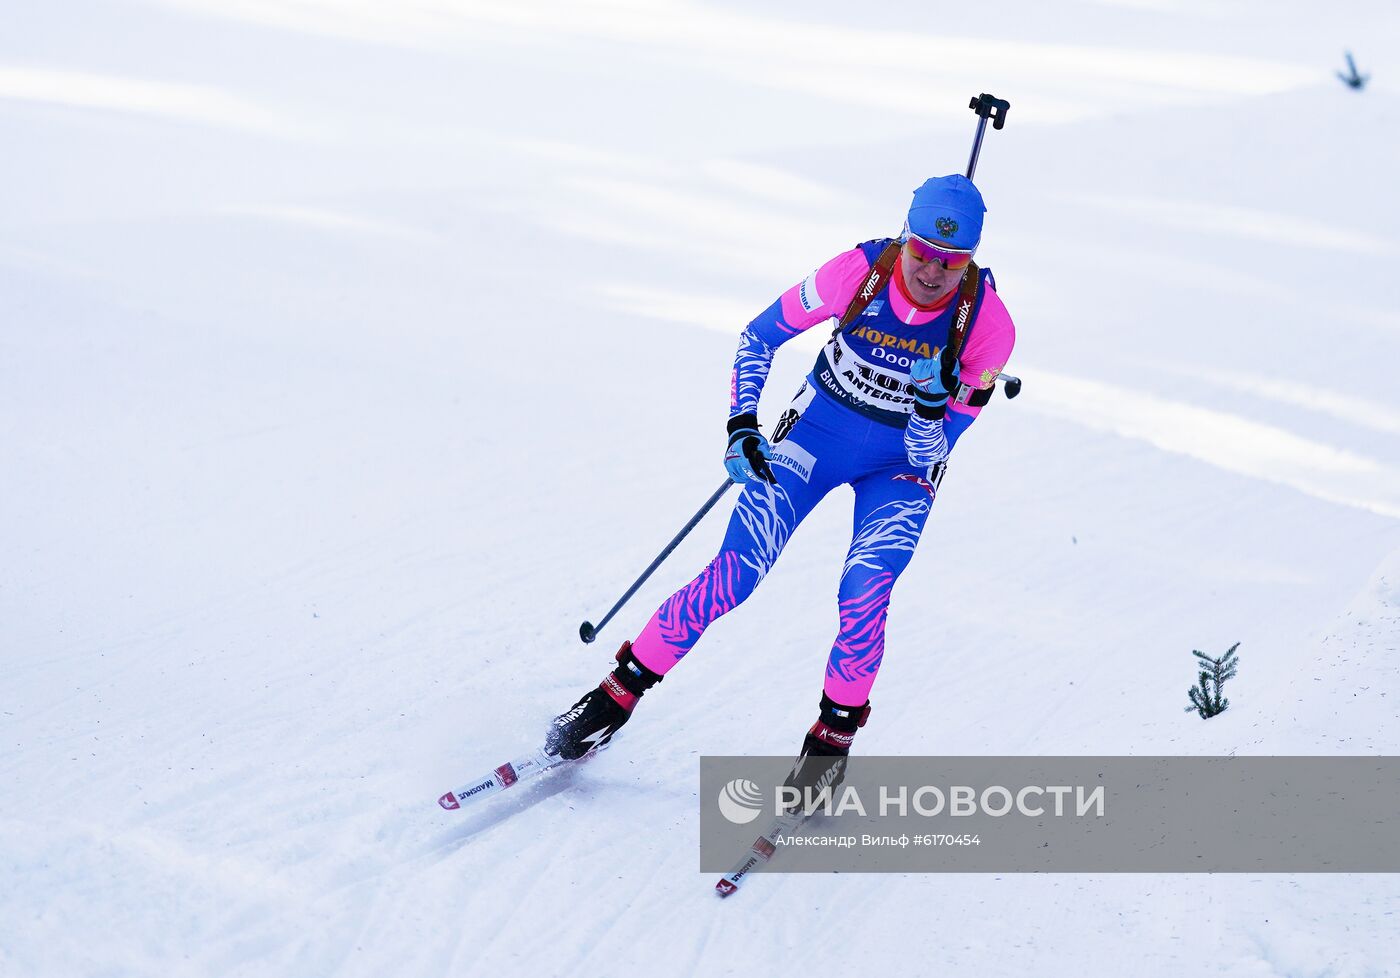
(1207, 697)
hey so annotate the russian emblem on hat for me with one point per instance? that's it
(947, 227)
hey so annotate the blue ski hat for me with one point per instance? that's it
(948, 209)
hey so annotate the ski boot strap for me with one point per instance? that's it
(845, 718)
(629, 680)
(835, 728)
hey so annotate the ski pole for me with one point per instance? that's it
(588, 631)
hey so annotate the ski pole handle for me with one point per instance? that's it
(588, 631)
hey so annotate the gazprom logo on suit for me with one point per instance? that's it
(874, 308)
(795, 459)
(807, 294)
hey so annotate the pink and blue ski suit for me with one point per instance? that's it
(846, 426)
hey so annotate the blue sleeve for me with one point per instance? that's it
(821, 296)
(925, 441)
(754, 358)
(954, 424)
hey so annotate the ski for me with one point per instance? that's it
(532, 765)
(759, 853)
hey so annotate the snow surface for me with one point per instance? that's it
(353, 352)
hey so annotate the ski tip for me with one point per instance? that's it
(725, 887)
(449, 801)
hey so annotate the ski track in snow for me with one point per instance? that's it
(350, 356)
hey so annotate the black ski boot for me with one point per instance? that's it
(822, 763)
(590, 723)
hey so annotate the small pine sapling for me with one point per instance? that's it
(1207, 697)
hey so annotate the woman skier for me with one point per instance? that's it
(923, 337)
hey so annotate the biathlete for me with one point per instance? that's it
(916, 356)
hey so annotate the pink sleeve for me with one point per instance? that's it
(825, 293)
(988, 348)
